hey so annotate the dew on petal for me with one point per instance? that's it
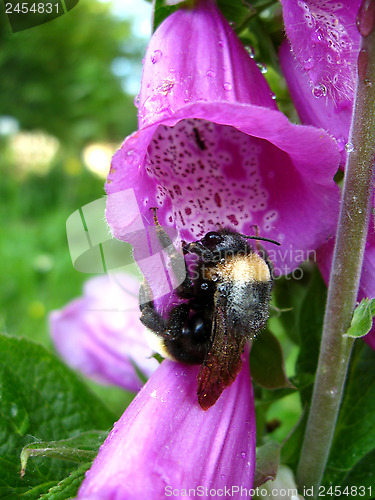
(262, 67)
(349, 147)
(211, 73)
(250, 50)
(319, 91)
(227, 86)
(156, 56)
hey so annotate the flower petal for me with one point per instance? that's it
(225, 159)
(100, 333)
(325, 41)
(318, 110)
(321, 70)
(164, 441)
(255, 168)
(195, 56)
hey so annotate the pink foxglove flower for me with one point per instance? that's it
(100, 333)
(164, 444)
(213, 150)
(320, 66)
(320, 62)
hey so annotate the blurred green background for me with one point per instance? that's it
(67, 101)
(67, 92)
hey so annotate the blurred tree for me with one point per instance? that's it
(57, 76)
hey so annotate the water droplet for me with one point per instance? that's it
(221, 43)
(227, 86)
(250, 50)
(232, 23)
(222, 477)
(273, 96)
(136, 101)
(309, 63)
(319, 90)
(349, 147)
(214, 277)
(204, 286)
(262, 67)
(211, 73)
(156, 56)
(243, 455)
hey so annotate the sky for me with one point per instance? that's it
(139, 12)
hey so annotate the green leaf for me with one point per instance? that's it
(354, 438)
(288, 295)
(236, 11)
(362, 319)
(291, 449)
(267, 362)
(362, 477)
(41, 399)
(162, 10)
(80, 449)
(311, 316)
(68, 487)
(267, 462)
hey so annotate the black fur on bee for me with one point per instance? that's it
(225, 302)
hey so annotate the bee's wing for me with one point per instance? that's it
(223, 361)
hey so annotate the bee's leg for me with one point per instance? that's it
(149, 316)
(178, 263)
(168, 329)
(198, 249)
(145, 296)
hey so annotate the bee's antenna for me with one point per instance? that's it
(260, 238)
(257, 237)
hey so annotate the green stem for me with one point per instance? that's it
(346, 266)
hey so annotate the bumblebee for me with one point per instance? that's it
(225, 299)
